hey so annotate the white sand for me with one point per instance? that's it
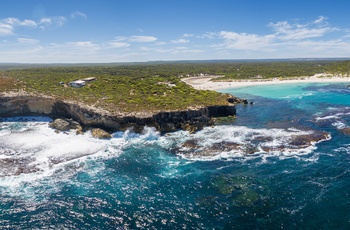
(205, 83)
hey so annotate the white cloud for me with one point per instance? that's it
(285, 38)
(180, 41)
(209, 35)
(52, 21)
(6, 29)
(46, 21)
(49, 21)
(233, 40)
(185, 50)
(27, 41)
(286, 31)
(142, 39)
(84, 44)
(320, 19)
(159, 43)
(8, 26)
(117, 44)
(78, 14)
(17, 22)
(188, 35)
(120, 40)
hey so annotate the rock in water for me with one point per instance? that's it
(66, 125)
(61, 125)
(346, 130)
(100, 134)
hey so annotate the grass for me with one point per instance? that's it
(111, 92)
(9, 84)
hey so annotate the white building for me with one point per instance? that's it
(77, 83)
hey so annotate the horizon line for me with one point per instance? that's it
(180, 60)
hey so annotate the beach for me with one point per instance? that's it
(205, 83)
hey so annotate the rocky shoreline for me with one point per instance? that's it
(164, 121)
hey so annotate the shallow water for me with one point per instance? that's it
(246, 173)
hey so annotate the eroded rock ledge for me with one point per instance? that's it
(191, 119)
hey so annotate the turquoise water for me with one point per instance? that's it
(149, 181)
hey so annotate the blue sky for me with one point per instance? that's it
(74, 31)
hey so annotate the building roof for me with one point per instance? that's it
(89, 79)
(78, 82)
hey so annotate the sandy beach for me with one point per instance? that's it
(205, 82)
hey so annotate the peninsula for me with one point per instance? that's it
(116, 98)
(165, 95)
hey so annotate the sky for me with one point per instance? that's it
(104, 31)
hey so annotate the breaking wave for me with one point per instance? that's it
(227, 142)
(30, 150)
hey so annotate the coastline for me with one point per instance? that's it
(205, 83)
(191, 119)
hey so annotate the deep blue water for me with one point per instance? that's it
(148, 181)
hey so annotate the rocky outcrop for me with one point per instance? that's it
(236, 100)
(100, 134)
(195, 148)
(345, 130)
(66, 125)
(60, 124)
(25, 105)
(191, 119)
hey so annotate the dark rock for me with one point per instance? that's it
(193, 147)
(233, 100)
(221, 111)
(225, 146)
(346, 130)
(190, 127)
(17, 166)
(250, 149)
(191, 119)
(308, 139)
(75, 125)
(168, 127)
(192, 143)
(66, 125)
(100, 134)
(61, 125)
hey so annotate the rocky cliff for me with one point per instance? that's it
(191, 119)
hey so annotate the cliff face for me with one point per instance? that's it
(192, 120)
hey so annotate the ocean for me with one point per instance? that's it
(260, 170)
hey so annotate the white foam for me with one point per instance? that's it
(298, 96)
(51, 153)
(337, 115)
(66, 153)
(240, 135)
(339, 125)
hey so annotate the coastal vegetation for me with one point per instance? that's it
(119, 90)
(152, 86)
